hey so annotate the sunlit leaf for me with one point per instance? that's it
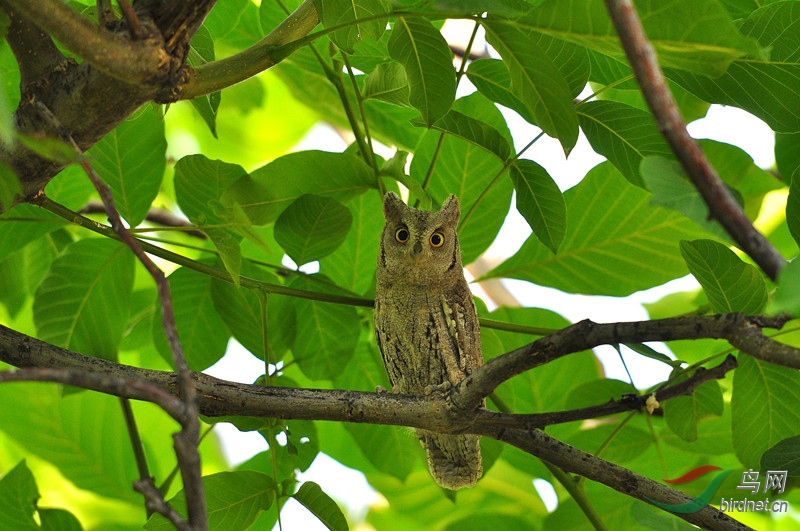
(346, 12)
(473, 131)
(82, 303)
(388, 82)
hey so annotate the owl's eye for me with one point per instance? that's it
(402, 235)
(437, 239)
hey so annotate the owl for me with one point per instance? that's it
(426, 323)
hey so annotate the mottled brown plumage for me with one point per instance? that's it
(426, 323)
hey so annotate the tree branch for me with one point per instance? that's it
(570, 459)
(632, 403)
(134, 62)
(223, 73)
(219, 398)
(36, 54)
(721, 204)
(742, 331)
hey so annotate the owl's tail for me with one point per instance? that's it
(454, 460)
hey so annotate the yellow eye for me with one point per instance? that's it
(402, 235)
(437, 239)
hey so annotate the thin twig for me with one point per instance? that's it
(154, 215)
(105, 13)
(721, 204)
(132, 19)
(186, 440)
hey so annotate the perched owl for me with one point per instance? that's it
(426, 323)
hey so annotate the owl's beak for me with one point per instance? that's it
(418, 248)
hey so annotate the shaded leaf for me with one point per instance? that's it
(312, 497)
(201, 51)
(312, 227)
(9, 187)
(267, 191)
(473, 131)
(695, 36)
(492, 79)
(784, 455)
(339, 12)
(730, 284)
(536, 81)
(388, 82)
(203, 334)
(82, 303)
(540, 202)
(682, 413)
(234, 500)
(776, 98)
(793, 207)
(764, 408)
(625, 135)
(428, 63)
(18, 497)
(786, 299)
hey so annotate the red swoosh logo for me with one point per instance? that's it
(692, 474)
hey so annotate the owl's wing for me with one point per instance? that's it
(465, 331)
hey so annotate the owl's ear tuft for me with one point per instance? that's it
(451, 209)
(393, 206)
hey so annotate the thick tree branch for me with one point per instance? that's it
(740, 330)
(219, 398)
(34, 50)
(721, 204)
(217, 75)
(134, 62)
(621, 479)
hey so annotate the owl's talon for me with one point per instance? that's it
(439, 388)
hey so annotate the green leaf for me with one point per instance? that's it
(270, 189)
(468, 171)
(492, 79)
(536, 81)
(428, 63)
(540, 202)
(82, 303)
(312, 227)
(240, 308)
(473, 131)
(786, 299)
(199, 185)
(9, 187)
(388, 82)
(131, 160)
(787, 154)
(730, 284)
(234, 500)
(201, 52)
(387, 448)
(230, 252)
(203, 334)
(682, 413)
(612, 237)
(326, 337)
(352, 265)
(625, 135)
(793, 207)
(59, 520)
(695, 36)
(775, 100)
(783, 455)
(338, 12)
(764, 408)
(79, 434)
(18, 497)
(311, 496)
